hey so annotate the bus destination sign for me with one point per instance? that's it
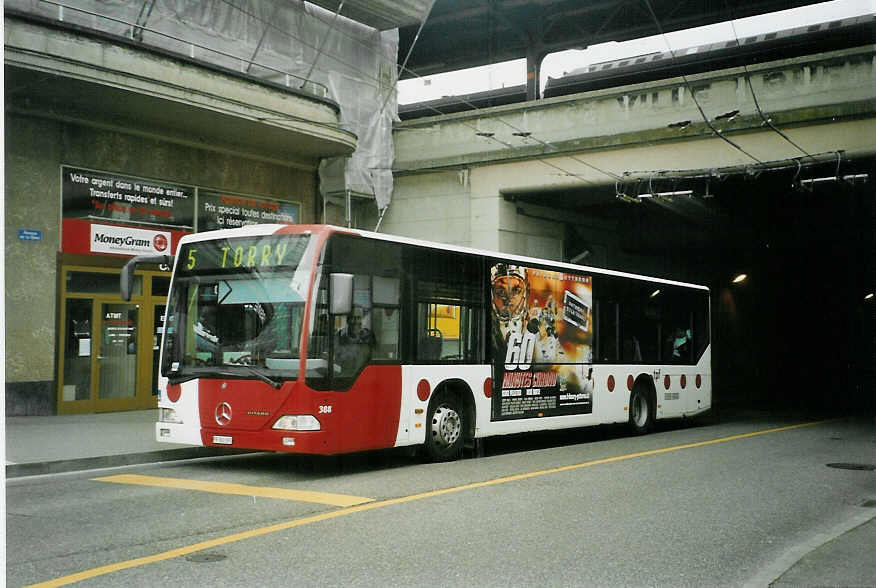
(243, 254)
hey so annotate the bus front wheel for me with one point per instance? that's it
(641, 411)
(445, 424)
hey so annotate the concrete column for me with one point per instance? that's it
(533, 72)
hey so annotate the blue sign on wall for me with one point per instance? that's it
(30, 235)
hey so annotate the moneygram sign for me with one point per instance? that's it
(128, 241)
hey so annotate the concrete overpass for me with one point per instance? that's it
(542, 178)
(462, 177)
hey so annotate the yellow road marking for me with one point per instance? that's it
(238, 489)
(189, 549)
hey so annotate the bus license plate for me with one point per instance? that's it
(221, 440)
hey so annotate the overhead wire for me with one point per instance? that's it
(687, 84)
(766, 166)
(516, 130)
(525, 134)
(767, 120)
(368, 77)
(473, 107)
(721, 173)
(404, 68)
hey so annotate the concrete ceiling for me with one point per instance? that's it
(468, 33)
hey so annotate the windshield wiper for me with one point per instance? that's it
(261, 375)
(207, 372)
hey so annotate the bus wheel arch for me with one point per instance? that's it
(450, 420)
(643, 405)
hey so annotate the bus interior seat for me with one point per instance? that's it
(632, 351)
(431, 344)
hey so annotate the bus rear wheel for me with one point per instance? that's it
(445, 424)
(641, 411)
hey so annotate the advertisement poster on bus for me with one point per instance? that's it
(542, 330)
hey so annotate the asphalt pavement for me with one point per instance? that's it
(40, 445)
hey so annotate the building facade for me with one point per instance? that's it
(115, 149)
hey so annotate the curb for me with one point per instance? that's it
(20, 470)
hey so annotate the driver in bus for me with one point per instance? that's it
(355, 332)
(354, 343)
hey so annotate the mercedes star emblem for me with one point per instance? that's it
(223, 413)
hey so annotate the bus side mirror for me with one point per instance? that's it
(342, 293)
(127, 279)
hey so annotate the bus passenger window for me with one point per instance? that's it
(640, 324)
(448, 333)
(606, 330)
(450, 293)
(386, 330)
(385, 317)
(679, 327)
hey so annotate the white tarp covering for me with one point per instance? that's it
(286, 42)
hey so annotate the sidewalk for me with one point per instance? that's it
(52, 444)
(846, 560)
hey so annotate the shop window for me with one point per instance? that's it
(99, 283)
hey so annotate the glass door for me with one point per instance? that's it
(79, 336)
(117, 359)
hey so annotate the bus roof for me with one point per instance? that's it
(325, 230)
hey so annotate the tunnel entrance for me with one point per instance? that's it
(798, 332)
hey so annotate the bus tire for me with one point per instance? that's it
(445, 428)
(641, 410)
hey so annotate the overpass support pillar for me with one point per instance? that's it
(535, 54)
(533, 74)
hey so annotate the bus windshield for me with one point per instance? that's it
(236, 308)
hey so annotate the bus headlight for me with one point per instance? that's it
(169, 415)
(297, 422)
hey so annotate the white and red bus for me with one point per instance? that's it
(323, 340)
